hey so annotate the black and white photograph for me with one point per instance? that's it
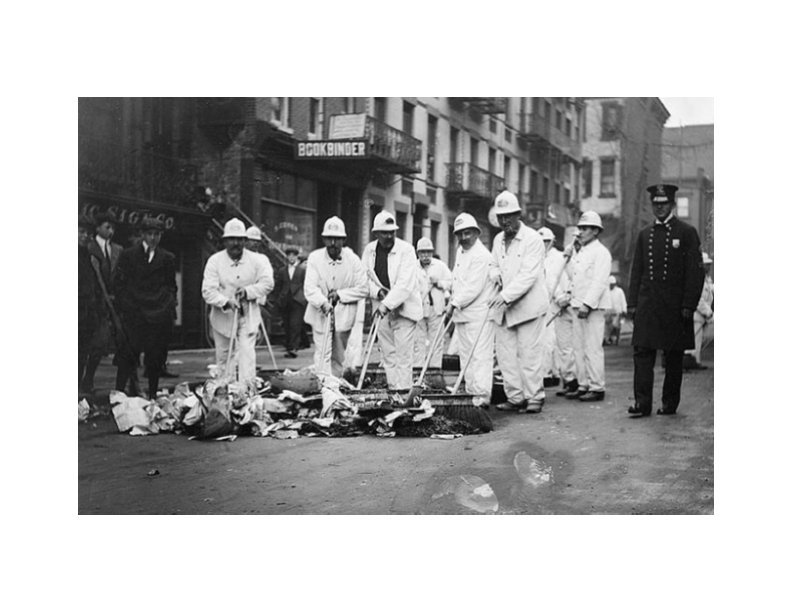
(396, 306)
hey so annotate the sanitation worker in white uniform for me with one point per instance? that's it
(435, 282)
(519, 308)
(335, 282)
(553, 267)
(589, 270)
(471, 290)
(392, 270)
(234, 281)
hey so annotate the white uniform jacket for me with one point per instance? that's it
(404, 297)
(589, 271)
(618, 301)
(346, 275)
(435, 280)
(554, 273)
(222, 277)
(521, 270)
(471, 287)
(704, 307)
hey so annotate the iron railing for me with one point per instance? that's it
(393, 146)
(487, 106)
(106, 167)
(534, 126)
(465, 178)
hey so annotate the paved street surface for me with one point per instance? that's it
(573, 458)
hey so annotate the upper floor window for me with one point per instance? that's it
(408, 111)
(611, 120)
(587, 178)
(683, 208)
(314, 115)
(281, 111)
(607, 177)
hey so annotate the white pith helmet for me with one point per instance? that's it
(590, 219)
(384, 222)
(234, 228)
(465, 221)
(424, 244)
(253, 233)
(334, 228)
(507, 203)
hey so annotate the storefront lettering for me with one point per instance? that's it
(129, 216)
(331, 149)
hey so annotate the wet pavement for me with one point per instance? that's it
(573, 458)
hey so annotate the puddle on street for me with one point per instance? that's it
(469, 491)
(531, 471)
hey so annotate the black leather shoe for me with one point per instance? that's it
(166, 374)
(592, 396)
(638, 411)
(666, 411)
(551, 381)
(532, 407)
(576, 394)
(571, 385)
(510, 407)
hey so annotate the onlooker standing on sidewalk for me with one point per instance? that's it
(145, 286)
(588, 272)
(335, 284)
(106, 254)
(90, 302)
(614, 314)
(471, 290)
(392, 270)
(519, 308)
(291, 300)
(234, 281)
(435, 282)
(665, 287)
(701, 318)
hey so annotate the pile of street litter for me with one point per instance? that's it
(289, 405)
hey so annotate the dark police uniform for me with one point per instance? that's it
(667, 277)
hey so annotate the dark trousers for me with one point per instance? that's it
(151, 339)
(643, 379)
(292, 317)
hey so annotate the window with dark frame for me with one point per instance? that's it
(607, 177)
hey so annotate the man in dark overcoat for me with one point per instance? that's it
(291, 300)
(89, 302)
(665, 286)
(145, 287)
(104, 255)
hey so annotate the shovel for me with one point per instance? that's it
(369, 347)
(234, 330)
(328, 330)
(269, 346)
(417, 387)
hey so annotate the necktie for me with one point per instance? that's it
(107, 251)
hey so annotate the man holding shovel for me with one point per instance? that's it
(335, 284)
(519, 307)
(234, 281)
(471, 291)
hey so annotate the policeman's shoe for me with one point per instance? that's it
(569, 385)
(666, 410)
(532, 407)
(592, 396)
(576, 394)
(166, 374)
(639, 411)
(511, 407)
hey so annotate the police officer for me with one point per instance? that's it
(665, 286)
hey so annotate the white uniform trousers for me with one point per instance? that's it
(244, 354)
(520, 357)
(549, 361)
(396, 335)
(589, 354)
(565, 355)
(478, 377)
(425, 331)
(332, 362)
